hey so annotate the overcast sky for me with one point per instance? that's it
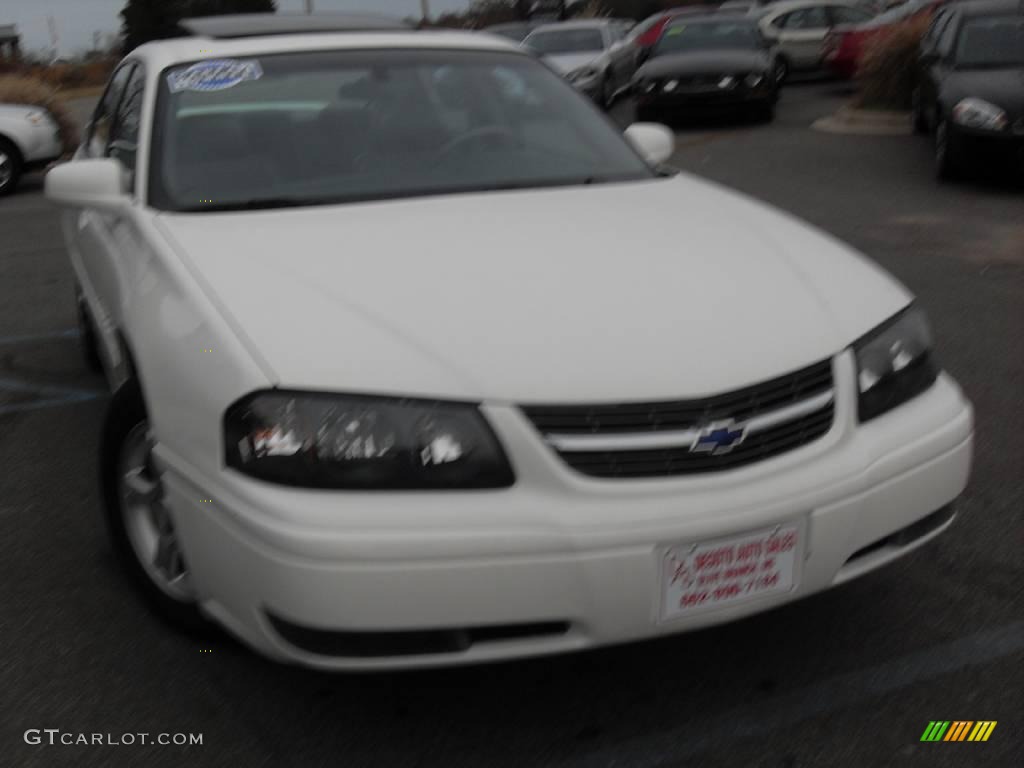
(77, 20)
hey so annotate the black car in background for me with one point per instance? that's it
(708, 63)
(970, 90)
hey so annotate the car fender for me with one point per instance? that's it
(170, 334)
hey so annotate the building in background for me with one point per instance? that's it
(9, 43)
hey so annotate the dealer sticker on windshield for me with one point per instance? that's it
(708, 575)
(214, 75)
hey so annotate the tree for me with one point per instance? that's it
(145, 20)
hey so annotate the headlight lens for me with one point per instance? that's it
(727, 81)
(754, 79)
(977, 113)
(363, 443)
(894, 363)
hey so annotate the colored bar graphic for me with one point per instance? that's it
(935, 730)
(982, 730)
(958, 730)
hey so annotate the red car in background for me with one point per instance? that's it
(845, 44)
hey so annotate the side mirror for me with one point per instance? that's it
(653, 141)
(99, 183)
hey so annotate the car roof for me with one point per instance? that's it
(990, 7)
(164, 53)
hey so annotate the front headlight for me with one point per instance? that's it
(979, 114)
(362, 443)
(583, 74)
(894, 363)
(753, 80)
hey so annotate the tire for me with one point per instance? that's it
(10, 167)
(125, 441)
(920, 120)
(87, 336)
(948, 165)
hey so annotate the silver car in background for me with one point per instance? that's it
(798, 28)
(592, 55)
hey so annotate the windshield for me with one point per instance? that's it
(991, 42)
(339, 126)
(683, 37)
(566, 41)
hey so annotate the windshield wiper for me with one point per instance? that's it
(254, 204)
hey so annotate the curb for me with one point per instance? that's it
(866, 122)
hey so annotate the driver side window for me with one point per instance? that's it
(124, 136)
(98, 135)
(806, 18)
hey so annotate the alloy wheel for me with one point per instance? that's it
(147, 521)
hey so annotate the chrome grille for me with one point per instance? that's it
(624, 440)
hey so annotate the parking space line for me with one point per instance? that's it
(825, 697)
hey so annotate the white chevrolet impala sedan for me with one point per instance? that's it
(418, 360)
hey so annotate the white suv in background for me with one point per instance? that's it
(29, 139)
(418, 360)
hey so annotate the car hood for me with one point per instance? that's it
(1002, 87)
(658, 289)
(564, 63)
(705, 62)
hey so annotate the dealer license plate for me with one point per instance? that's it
(712, 574)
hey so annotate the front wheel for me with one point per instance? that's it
(141, 528)
(87, 335)
(10, 167)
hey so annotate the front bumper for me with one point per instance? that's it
(996, 149)
(559, 561)
(683, 102)
(42, 144)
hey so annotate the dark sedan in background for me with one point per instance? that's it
(708, 63)
(970, 93)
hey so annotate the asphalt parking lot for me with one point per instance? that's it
(847, 678)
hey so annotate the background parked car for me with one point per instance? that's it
(708, 63)
(514, 30)
(29, 138)
(844, 45)
(591, 54)
(799, 29)
(738, 6)
(971, 88)
(645, 34)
